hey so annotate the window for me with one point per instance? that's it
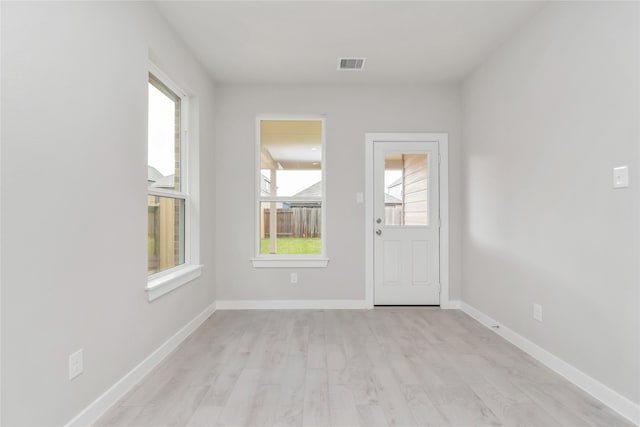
(168, 199)
(290, 193)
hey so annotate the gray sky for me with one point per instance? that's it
(161, 153)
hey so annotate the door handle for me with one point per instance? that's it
(379, 220)
(378, 232)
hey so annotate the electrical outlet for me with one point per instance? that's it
(75, 364)
(294, 277)
(537, 312)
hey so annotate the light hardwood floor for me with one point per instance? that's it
(388, 366)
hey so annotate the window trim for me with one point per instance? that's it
(289, 260)
(163, 282)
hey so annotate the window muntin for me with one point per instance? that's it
(290, 190)
(167, 198)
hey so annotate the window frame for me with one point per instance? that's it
(163, 282)
(289, 260)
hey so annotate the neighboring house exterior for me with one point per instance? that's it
(395, 189)
(392, 209)
(265, 185)
(314, 190)
(153, 174)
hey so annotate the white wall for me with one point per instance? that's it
(74, 99)
(350, 111)
(545, 121)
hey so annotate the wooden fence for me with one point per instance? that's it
(295, 222)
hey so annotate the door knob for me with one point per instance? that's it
(378, 232)
(379, 220)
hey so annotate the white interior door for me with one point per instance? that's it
(406, 223)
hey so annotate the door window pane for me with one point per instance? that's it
(406, 192)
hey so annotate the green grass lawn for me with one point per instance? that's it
(294, 245)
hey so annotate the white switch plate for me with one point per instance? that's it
(537, 312)
(359, 198)
(294, 277)
(621, 177)
(75, 364)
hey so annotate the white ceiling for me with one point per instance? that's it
(299, 42)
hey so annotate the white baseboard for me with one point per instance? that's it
(308, 304)
(290, 304)
(611, 398)
(451, 305)
(110, 397)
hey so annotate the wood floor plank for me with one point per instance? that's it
(556, 408)
(205, 416)
(238, 407)
(299, 341)
(316, 398)
(461, 406)
(290, 405)
(422, 408)
(511, 409)
(119, 416)
(382, 367)
(265, 404)
(401, 367)
(526, 414)
(143, 393)
(363, 386)
(392, 400)
(595, 412)
(317, 356)
(372, 416)
(171, 408)
(342, 407)
(274, 364)
(220, 389)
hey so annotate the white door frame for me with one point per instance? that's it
(443, 143)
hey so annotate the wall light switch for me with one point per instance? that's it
(75, 364)
(621, 177)
(359, 198)
(294, 277)
(537, 312)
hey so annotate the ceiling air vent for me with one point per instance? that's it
(352, 64)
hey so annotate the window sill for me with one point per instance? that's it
(289, 262)
(169, 280)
